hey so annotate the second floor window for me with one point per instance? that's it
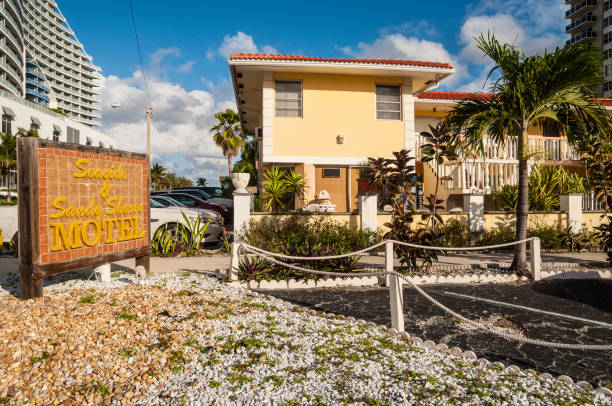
(388, 102)
(72, 135)
(288, 98)
(6, 124)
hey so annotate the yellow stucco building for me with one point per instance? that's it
(323, 117)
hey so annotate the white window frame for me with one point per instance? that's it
(301, 99)
(401, 102)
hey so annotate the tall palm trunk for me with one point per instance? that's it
(229, 165)
(8, 186)
(519, 262)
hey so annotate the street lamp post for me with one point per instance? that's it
(149, 111)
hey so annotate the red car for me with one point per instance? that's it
(195, 203)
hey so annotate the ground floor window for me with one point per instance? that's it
(56, 135)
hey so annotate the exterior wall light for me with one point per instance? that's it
(340, 139)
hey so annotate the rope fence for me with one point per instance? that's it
(395, 285)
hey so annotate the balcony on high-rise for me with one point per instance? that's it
(582, 23)
(583, 36)
(579, 9)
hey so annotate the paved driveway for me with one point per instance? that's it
(588, 299)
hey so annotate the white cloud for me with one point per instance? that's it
(186, 67)
(398, 46)
(159, 55)
(239, 43)
(507, 29)
(180, 137)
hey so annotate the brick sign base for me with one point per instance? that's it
(79, 207)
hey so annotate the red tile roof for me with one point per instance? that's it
(456, 96)
(271, 57)
(605, 102)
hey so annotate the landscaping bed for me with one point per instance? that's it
(188, 339)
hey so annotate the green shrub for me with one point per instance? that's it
(454, 234)
(551, 237)
(297, 235)
(500, 235)
(546, 184)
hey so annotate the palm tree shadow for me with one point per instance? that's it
(596, 293)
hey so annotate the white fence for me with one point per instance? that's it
(591, 203)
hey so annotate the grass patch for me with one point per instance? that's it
(128, 352)
(88, 298)
(102, 389)
(127, 313)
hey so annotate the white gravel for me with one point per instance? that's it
(266, 351)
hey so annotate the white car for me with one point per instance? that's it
(205, 214)
(8, 223)
(171, 217)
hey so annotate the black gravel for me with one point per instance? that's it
(589, 299)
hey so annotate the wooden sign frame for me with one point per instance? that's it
(31, 270)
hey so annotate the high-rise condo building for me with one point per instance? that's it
(590, 21)
(42, 61)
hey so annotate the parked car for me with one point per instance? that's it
(170, 217)
(8, 223)
(205, 214)
(171, 220)
(196, 203)
(200, 194)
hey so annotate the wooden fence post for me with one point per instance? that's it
(28, 219)
(396, 296)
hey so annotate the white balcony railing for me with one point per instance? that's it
(474, 173)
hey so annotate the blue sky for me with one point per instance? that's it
(185, 46)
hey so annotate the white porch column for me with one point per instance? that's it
(410, 136)
(368, 210)
(242, 214)
(474, 205)
(267, 114)
(571, 203)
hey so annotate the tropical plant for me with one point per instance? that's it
(8, 159)
(274, 189)
(296, 185)
(282, 187)
(22, 132)
(252, 269)
(228, 135)
(164, 243)
(397, 178)
(193, 234)
(546, 184)
(553, 91)
(438, 146)
(158, 172)
(201, 181)
(604, 232)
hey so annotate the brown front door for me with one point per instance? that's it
(334, 179)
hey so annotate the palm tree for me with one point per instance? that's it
(157, 175)
(8, 159)
(228, 135)
(553, 91)
(201, 181)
